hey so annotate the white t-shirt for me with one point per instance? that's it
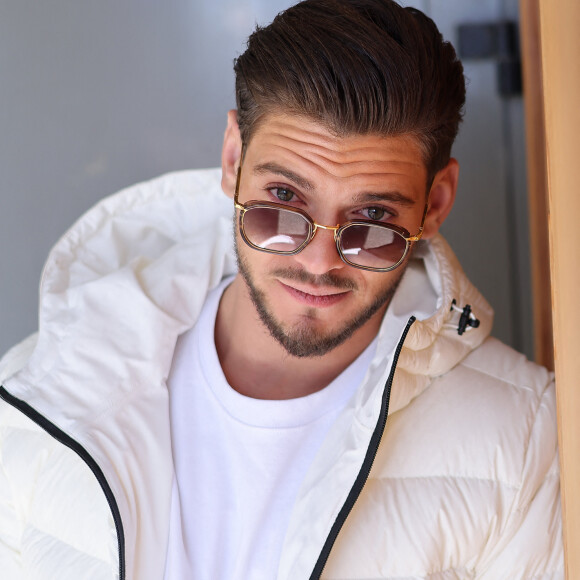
(239, 462)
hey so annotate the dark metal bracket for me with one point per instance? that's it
(498, 41)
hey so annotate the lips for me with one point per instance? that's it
(317, 297)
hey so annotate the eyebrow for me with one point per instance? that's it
(390, 196)
(268, 167)
(364, 197)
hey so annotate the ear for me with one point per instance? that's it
(441, 198)
(231, 152)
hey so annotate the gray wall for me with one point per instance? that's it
(96, 96)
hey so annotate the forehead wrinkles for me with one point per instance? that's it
(341, 157)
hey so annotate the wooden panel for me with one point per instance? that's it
(560, 47)
(537, 183)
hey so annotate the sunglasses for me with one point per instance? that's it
(279, 229)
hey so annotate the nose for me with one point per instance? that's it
(320, 255)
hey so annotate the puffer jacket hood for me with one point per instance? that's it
(106, 280)
(132, 275)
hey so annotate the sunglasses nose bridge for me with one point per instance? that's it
(333, 229)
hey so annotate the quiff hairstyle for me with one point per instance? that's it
(357, 67)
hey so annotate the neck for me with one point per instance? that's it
(257, 365)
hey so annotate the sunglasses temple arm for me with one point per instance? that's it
(418, 235)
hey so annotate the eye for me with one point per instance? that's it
(374, 213)
(282, 193)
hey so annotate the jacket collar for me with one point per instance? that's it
(435, 290)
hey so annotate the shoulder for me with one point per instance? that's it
(501, 407)
(509, 389)
(490, 420)
(500, 363)
(16, 357)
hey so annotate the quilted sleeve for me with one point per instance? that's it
(531, 546)
(16, 491)
(53, 518)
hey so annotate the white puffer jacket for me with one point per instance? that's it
(465, 479)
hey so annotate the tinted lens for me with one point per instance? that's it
(372, 246)
(275, 230)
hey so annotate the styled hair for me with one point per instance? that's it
(357, 67)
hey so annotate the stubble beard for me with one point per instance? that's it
(303, 340)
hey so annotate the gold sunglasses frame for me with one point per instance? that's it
(313, 227)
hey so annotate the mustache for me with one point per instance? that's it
(327, 280)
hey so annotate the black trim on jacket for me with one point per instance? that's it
(69, 442)
(366, 466)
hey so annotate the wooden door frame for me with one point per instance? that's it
(537, 182)
(551, 45)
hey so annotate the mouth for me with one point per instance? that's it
(315, 296)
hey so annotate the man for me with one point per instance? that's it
(191, 411)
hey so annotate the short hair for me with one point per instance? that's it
(357, 67)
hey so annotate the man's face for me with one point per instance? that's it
(312, 302)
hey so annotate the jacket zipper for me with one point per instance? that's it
(366, 466)
(69, 442)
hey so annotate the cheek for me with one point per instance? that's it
(378, 283)
(254, 261)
